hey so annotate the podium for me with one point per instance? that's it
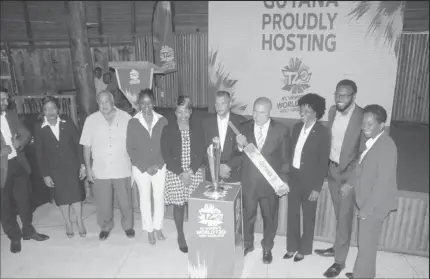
(215, 238)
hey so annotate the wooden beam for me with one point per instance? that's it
(133, 17)
(27, 22)
(81, 59)
(99, 19)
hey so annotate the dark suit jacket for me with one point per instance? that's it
(3, 161)
(171, 146)
(275, 150)
(50, 152)
(315, 155)
(210, 129)
(353, 142)
(375, 179)
(23, 136)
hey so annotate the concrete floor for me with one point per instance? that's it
(120, 257)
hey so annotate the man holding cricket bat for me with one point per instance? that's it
(261, 175)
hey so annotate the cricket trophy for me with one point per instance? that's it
(214, 158)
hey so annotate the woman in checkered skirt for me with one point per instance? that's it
(183, 151)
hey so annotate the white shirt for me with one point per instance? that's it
(7, 135)
(108, 145)
(304, 133)
(264, 131)
(338, 131)
(54, 128)
(222, 128)
(155, 118)
(369, 143)
(100, 85)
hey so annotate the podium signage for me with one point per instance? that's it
(215, 242)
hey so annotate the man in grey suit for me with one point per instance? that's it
(375, 186)
(346, 138)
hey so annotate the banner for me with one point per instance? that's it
(132, 80)
(286, 49)
(162, 29)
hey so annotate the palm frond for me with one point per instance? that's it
(386, 23)
(219, 79)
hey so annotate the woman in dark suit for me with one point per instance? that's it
(182, 149)
(61, 163)
(310, 147)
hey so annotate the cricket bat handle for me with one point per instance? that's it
(235, 130)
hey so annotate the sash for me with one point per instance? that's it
(281, 188)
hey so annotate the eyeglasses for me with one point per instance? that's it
(344, 97)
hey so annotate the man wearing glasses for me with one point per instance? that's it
(345, 119)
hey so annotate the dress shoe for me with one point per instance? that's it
(183, 249)
(159, 235)
(248, 250)
(288, 255)
(349, 275)
(151, 238)
(334, 270)
(37, 236)
(325, 252)
(298, 257)
(103, 235)
(267, 257)
(15, 246)
(130, 233)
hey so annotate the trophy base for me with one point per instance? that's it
(213, 189)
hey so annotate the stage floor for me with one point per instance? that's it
(120, 257)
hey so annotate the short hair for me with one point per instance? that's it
(108, 74)
(184, 101)
(315, 102)
(107, 92)
(378, 111)
(223, 94)
(50, 99)
(146, 93)
(97, 69)
(347, 82)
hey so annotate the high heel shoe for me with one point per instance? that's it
(159, 235)
(151, 238)
(69, 232)
(82, 230)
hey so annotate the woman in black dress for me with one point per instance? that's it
(61, 162)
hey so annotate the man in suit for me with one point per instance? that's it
(15, 194)
(375, 186)
(216, 125)
(346, 138)
(271, 138)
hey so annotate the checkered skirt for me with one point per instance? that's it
(175, 191)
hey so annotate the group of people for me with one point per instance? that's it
(116, 149)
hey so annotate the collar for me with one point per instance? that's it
(370, 142)
(264, 126)
(156, 116)
(46, 123)
(307, 130)
(225, 119)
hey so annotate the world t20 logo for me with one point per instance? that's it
(296, 76)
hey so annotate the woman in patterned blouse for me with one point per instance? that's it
(182, 149)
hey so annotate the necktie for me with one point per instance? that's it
(260, 139)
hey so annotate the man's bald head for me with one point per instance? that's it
(262, 108)
(263, 101)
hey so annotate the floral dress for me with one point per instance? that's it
(175, 191)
